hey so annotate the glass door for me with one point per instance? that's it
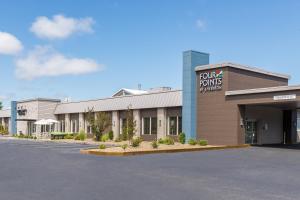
(250, 132)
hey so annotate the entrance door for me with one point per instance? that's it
(287, 127)
(250, 132)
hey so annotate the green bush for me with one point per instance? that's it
(111, 135)
(154, 144)
(135, 142)
(68, 137)
(202, 142)
(80, 136)
(35, 137)
(102, 146)
(118, 140)
(161, 141)
(167, 141)
(104, 137)
(124, 146)
(192, 142)
(182, 138)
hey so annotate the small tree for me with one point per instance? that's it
(129, 128)
(1, 105)
(98, 123)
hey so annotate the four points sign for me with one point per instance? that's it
(211, 81)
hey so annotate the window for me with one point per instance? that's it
(298, 120)
(172, 125)
(74, 124)
(153, 126)
(146, 124)
(149, 125)
(179, 125)
(124, 125)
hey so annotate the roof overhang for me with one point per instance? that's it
(242, 67)
(262, 90)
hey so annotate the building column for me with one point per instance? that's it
(13, 118)
(116, 124)
(162, 123)
(81, 122)
(137, 119)
(67, 123)
(9, 127)
(2, 121)
(191, 59)
(86, 123)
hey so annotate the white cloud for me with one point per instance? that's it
(43, 61)
(201, 25)
(60, 27)
(9, 44)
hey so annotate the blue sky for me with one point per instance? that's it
(115, 44)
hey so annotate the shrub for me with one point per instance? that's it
(136, 141)
(68, 136)
(104, 137)
(202, 142)
(80, 136)
(124, 146)
(154, 144)
(192, 142)
(182, 138)
(168, 141)
(161, 141)
(35, 137)
(102, 146)
(111, 135)
(118, 140)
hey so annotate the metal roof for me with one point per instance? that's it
(243, 67)
(5, 113)
(263, 90)
(129, 92)
(39, 99)
(142, 101)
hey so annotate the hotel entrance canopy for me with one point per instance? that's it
(285, 96)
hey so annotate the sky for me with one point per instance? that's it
(90, 49)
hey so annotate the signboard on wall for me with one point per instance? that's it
(284, 97)
(211, 81)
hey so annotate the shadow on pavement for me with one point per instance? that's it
(280, 146)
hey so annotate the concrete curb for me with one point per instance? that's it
(142, 152)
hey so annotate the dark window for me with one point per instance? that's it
(146, 125)
(179, 124)
(153, 126)
(124, 124)
(173, 126)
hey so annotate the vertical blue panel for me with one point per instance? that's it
(191, 59)
(13, 118)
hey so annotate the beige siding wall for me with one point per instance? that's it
(46, 109)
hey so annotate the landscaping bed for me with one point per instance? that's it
(147, 148)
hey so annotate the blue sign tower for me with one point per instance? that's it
(191, 59)
(13, 118)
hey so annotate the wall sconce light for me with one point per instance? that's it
(242, 123)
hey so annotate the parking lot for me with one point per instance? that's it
(46, 170)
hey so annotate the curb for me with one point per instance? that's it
(133, 153)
